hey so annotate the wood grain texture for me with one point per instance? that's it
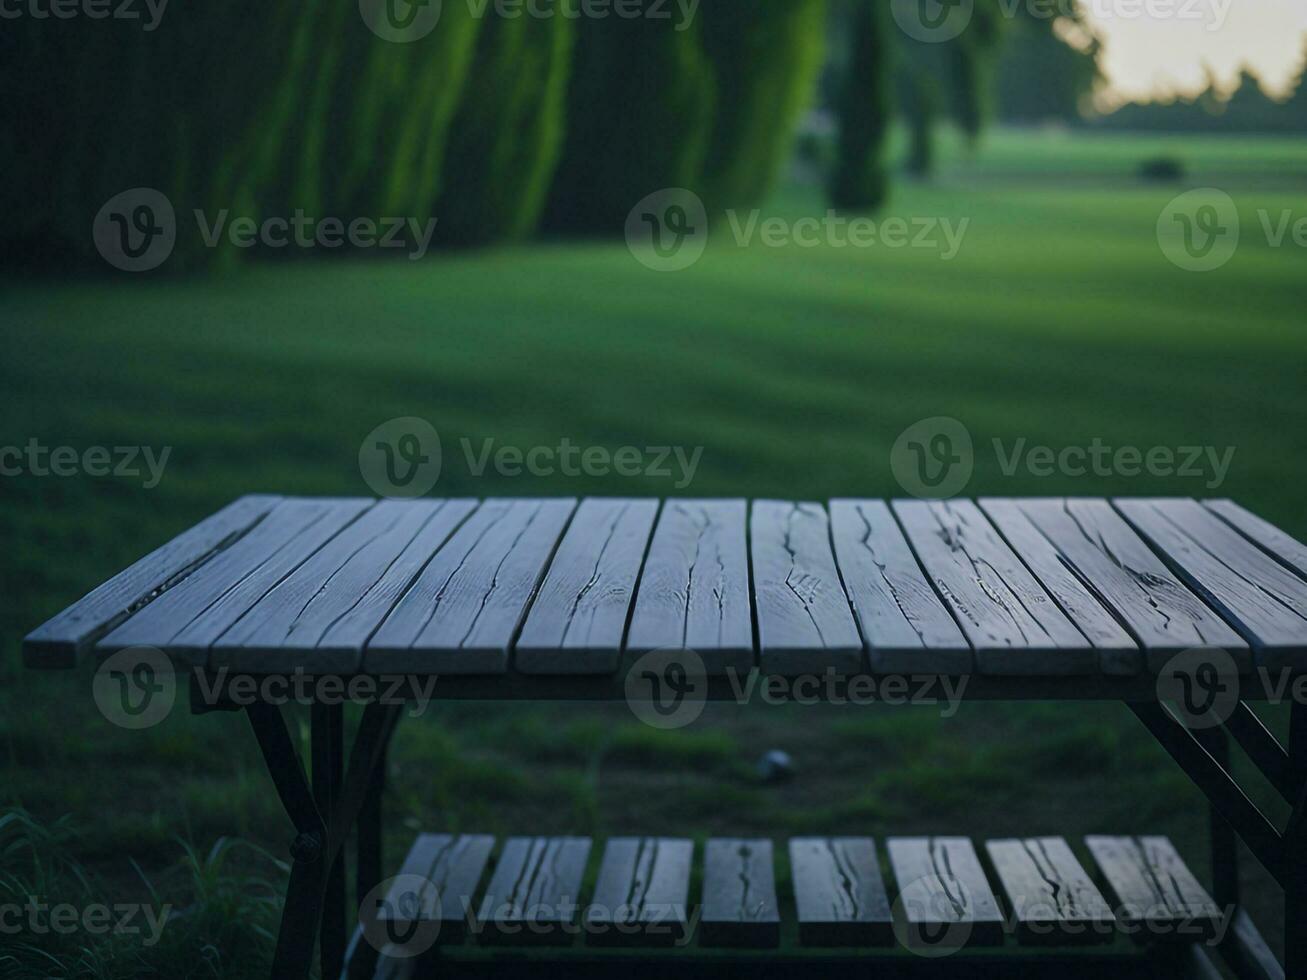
(452, 866)
(739, 895)
(63, 639)
(1012, 622)
(694, 592)
(1049, 894)
(1154, 890)
(805, 623)
(1288, 550)
(187, 619)
(643, 893)
(943, 894)
(462, 613)
(906, 628)
(534, 893)
(317, 618)
(1118, 652)
(1261, 598)
(839, 892)
(577, 621)
(1090, 540)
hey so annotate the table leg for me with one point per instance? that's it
(369, 864)
(1295, 841)
(328, 771)
(1224, 841)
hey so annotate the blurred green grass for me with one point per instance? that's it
(1059, 322)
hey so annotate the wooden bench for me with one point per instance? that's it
(947, 897)
(555, 599)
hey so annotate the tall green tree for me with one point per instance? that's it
(860, 180)
(640, 112)
(506, 139)
(766, 56)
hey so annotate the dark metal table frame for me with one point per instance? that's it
(339, 796)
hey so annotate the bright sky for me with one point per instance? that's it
(1158, 47)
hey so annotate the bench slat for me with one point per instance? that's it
(739, 895)
(534, 893)
(943, 893)
(61, 640)
(187, 619)
(1091, 538)
(1290, 551)
(576, 623)
(453, 866)
(1154, 889)
(642, 893)
(839, 892)
(288, 627)
(805, 623)
(694, 592)
(1118, 653)
(461, 614)
(1049, 894)
(1261, 598)
(907, 629)
(1012, 622)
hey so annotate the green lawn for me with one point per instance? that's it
(1059, 322)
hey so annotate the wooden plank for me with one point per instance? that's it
(1118, 653)
(694, 591)
(533, 896)
(1049, 894)
(61, 640)
(1248, 951)
(1153, 889)
(1014, 625)
(805, 623)
(642, 893)
(452, 866)
(839, 892)
(739, 895)
(1288, 550)
(462, 613)
(1258, 596)
(318, 617)
(943, 895)
(189, 617)
(1090, 539)
(906, 628)
(577, 621)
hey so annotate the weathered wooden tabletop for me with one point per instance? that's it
(534, 591)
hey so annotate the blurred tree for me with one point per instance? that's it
(1048, 69)
(765, 56)
(640, 113)
(860, 180)
(973, 57)
(505, 142)
(920, 101)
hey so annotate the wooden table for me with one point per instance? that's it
(551, 599)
